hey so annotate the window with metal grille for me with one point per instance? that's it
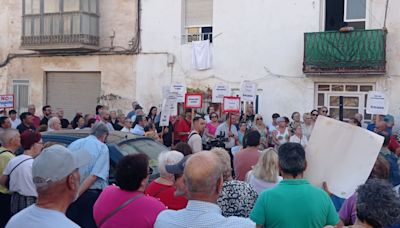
(198, 17)
(21, 95)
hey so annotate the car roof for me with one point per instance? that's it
(114, 137)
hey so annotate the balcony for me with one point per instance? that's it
(355, 52)
(57, 42)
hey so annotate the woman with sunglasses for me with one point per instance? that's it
(18, 172)
(314, 115)
(126, 205)
(211, 127)
(258, 125)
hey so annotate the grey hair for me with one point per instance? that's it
(99, 129)
(168, 158)
(6, 135)
(51, 121)
(378, 204)
(225, 162)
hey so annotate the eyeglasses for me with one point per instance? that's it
(150, 171)
(314, 114)
(214, 116)
(324, 111)
(259, 119)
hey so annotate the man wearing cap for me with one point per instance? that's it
(94, 175)
(203, 178)
(55, 174)
(177, 170)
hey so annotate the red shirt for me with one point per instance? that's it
(182, 125)
(166, 195)
(244, 160)
(393, 144)
(36, 121)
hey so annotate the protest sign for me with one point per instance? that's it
(340, 154)
(180, 89)
(231, 104)
(169, 107)
(377, 103)
(193, 100)
(6, 101)
(248, 91)
(219, 92)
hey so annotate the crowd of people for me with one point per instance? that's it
(221, 170)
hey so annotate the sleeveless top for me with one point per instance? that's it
(283, 137)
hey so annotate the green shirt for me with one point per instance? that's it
(5, 157)
(294, 203)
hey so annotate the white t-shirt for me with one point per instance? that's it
(223, 129)
(127, 130)
(15, 123)
(303, 141)
(195, 142)
(37, 217)
(21, 178)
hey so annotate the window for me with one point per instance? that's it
(55, 21)
(355, 10)
(198, 18)
(354, 98)
(21, 95)
(339, 13)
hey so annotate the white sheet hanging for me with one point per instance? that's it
(201, 55)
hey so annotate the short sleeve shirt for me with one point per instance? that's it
(294, 203)
(21, 180)
(37, 217)
(5, 157)
(99, 164)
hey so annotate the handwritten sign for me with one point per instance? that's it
(248, 91)
(180, 89)
(7, 101)
(193, 100)
(219, 92)
(169, 108)
(377, 103)
(231, 104)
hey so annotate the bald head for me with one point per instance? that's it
(203, 175)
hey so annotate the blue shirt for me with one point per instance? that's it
(99, 165)
(200, 214)
(394, 175)
(37, 217)
(130, 114)
(138, 130)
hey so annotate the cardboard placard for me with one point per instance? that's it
(231, 104)
(7, 101)
(219, 92)
(248, 91)
(193, 100)
(377, 103)
(180, 89)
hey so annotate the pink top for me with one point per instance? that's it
(142, 212)
(211, 129)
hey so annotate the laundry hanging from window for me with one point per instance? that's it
(201, 55)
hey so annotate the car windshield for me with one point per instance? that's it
(146, 146)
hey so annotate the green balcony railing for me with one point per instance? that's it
(359, 51)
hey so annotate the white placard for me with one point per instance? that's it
(180, 89)
(248, 91)
(341, 154)
(231, 104)
(193, 101)
(6, 101)
(219, 92)
(377, 103)
(169, 108)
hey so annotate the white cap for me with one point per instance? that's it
(56, 162)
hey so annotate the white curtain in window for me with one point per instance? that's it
(47, 25)
(199, 12)
(85, 5)
(32, 6)
(28, 26)
(51, 6)
(67, 24)
(56, 24)
(85, 24)
(76, 24)
(93, 6)
(71, 5)
(36, 26)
